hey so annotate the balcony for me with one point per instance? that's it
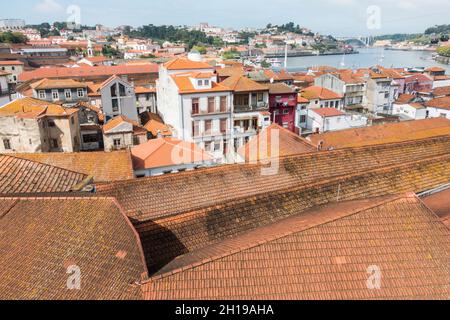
(259, 106)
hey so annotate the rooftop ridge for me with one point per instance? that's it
(299, 156)
(299, 188)
(265, 239)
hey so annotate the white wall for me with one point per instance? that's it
(409, 111)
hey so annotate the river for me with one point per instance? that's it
(368, 57)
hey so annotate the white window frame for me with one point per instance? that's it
(80, 91)
(68, 94)
(42, 94)
(55, 93)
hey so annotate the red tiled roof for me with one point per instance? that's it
(92, 234)
(21, 176)
(405, 98)
(103, 166)
(286, 143)
(243, 84)
(328, 112)
(166, 152)
(382, 134)
(115, 122)
(440, 204)
(321, 254)
(442, 91)
(185, 86)
(85, 72)
(11, 63)
(148, 198)
(186, 64)
(440, 103)
(321, 93)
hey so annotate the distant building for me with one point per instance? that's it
(115, 97)
(146, 99)
(438, 108)
(30, 125)
(123, 133)
(251, 108)
(198, 108)
(320, 120)
(12, 24)
(346, 84)
(283, 104)
(67, 92)
(5, 95)
(14, 67)
(168, 155)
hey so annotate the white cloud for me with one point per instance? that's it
(48, 6)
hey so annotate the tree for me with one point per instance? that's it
(110, 51)
(12, 37)
(444, 51)
(200, 49)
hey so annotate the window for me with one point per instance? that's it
(206, 82)
(42, 94)
(117, 143)
(302, 119)
(195, 106)
(260, 97)
(80, 93)
(122, 90)
(286, 111)
(241, 99)
(114, 90)
(223, 126)
(7, 144)
(72, 120)
(208, 146)
(55, 95)
(217, 146)
(136, 141)
(195, 128)
(211, 105)
(223, 104)
(51, 123)
(90, 138)
(13, 68)
(115, 105)
(68, 94)
(208, 126)
(200, 83)
(54, 143)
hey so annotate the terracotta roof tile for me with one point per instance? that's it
(42, 237)
(185, 85)
(103, 166)
(380, 134)
(243, 84)
(21, 176)
(186, 64)
(321, 93)
(287, 144)
(442, 91)
(57, 84)
(320, 254)
(30, 107)
(440, 204)
(149, 198)
(97, 71)
(166, 152)
(441, 103)
(328, 112)
(168, 237)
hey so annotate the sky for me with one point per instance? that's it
(334, 17)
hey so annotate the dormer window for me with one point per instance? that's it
(200, 83)
(68, 94)
(206, 82)
(42, 94)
